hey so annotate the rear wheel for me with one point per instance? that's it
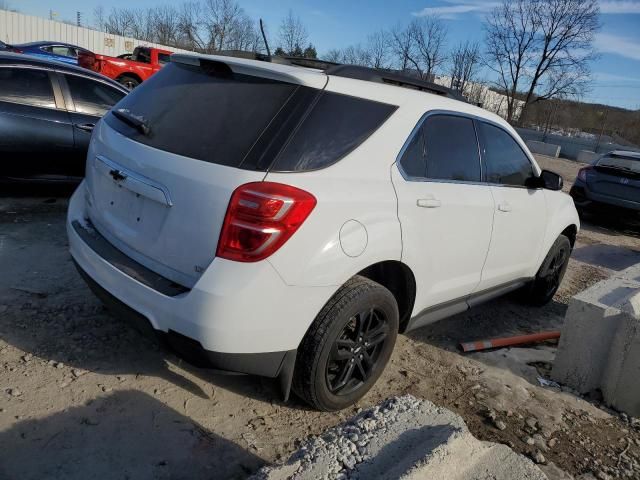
(128, 81)
(547, 281)
(347, 346)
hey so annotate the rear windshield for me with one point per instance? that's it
(620, 163)
(212, 114)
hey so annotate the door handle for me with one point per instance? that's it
(504, 207)
(87, 127)
(429, 202)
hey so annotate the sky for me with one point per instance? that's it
(339, 23)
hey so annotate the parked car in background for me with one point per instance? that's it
(290, 222)
(47, 113)
(61, 52)
(611, 184)
(130, 72)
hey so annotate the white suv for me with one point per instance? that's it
(288, 222)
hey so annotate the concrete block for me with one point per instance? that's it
(587, 156)
(600, 343)
(544, 148)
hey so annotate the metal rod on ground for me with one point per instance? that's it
(508, 341)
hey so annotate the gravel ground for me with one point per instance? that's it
(83, 395)
(403, 438)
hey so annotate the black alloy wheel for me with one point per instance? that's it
(356, 351)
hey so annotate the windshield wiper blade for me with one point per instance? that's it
(136, 121)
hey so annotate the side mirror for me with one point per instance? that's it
(547, 179)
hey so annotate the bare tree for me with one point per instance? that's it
(429, 36)
(402, 45)
(333, 55)
(541, 48)
(293, 34)
(564, 48)
(356, 55)
(219, 18)
(378, 49)
(465, 61)
(190, 31)
(98, 17)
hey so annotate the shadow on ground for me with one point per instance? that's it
(503, 317)
(612, 257)
(47, 310)
(126, 435)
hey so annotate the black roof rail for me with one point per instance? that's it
(392, 78)
(310, 62)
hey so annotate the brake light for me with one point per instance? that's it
(260, 218)
(582, 173)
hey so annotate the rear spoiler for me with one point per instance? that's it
(273, 71)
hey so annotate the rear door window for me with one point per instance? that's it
(92, 97)
(413, 160)
(27, 86)
(451, 149)
(336, 125)
(505, 162)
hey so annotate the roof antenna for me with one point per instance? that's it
(264, 37)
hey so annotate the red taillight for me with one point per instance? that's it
(260, 218)
(582, 173)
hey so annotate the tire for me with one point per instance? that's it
(128, 81)
(547, 281)
(333, 346)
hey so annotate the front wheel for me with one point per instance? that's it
(547, 281)
(347, 346)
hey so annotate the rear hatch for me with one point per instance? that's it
(617, 176)
(164, 162)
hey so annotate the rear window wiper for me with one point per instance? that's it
(136, 121)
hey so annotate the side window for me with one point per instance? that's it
(142, 55)
(337, 125)
(413, 160)
(92, 97)
(27, 86)
(505, 161)
(60, 50)
(163, 58)
(451, 148)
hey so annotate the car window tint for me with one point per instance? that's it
(142, 55)
(451, 149)
(27, 86)
(92, 97)
(336, 125)
(163, 58)
(208, 113)
(413, 160)
(505, 161)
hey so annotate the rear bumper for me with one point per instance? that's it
(233, 310)
(585, 199)
(268, 364)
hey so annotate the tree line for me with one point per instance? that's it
(205, 26)
(535, 49)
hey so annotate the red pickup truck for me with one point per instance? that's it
(144, 62)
